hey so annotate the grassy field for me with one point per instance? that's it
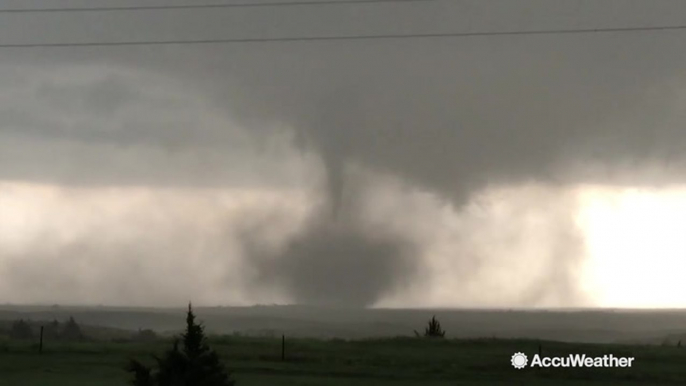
(402, 361)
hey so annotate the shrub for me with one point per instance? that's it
(72, 331)
(146, 335)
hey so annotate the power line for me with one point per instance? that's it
(347, 38)
(207, 6)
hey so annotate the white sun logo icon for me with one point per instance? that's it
(519, 360)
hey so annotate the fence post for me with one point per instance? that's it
(283, 347)
(40, 345)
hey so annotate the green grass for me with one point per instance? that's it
(402, 361)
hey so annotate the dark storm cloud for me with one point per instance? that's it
(452, 116)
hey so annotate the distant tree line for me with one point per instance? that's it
(27, 330)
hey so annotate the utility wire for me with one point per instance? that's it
(348, 38)
(208, 6)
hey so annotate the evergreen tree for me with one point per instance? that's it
(433, 330)
(195, 364)
(194, 342)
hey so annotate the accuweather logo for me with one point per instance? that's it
(520, 360)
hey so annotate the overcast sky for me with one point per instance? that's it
(408, 172)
